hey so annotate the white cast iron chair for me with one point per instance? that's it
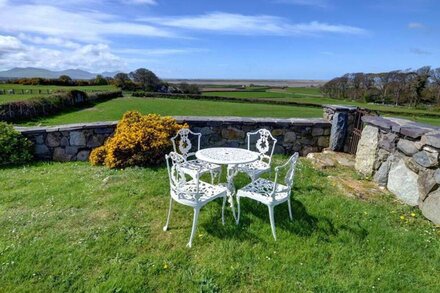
(194, 193)
(265, 145)
(185, 148)
(271, 193)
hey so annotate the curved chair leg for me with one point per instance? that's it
(290, 209)
(223, 210)
(169, 214)
(238, 212)
(272, 221)
(194, 226)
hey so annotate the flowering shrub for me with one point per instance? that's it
(138, 141)
(14, 148)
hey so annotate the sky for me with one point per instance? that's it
(253, 39)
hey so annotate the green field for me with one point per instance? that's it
(99, 230)
(45, 89)
(312, 96)
(114, 109)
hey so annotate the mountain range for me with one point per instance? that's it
(21, 72)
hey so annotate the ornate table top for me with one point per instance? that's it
(226, 156)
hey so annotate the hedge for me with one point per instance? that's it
(220, 98)
(51, 104)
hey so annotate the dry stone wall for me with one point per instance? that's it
(403, 156)
(75, 141)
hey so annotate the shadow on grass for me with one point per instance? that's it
(303, 224)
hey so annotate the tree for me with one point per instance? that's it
(65, 79)
(100, 80)
(123, 81)
(186, 88)
(419, 80)
(146, 79)
(435, 77)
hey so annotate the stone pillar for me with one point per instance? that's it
(342, 119)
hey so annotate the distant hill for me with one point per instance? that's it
(20, 72)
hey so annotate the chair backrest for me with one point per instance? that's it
(289, 167)
(177, 177)
(264, 143)
(186, 142)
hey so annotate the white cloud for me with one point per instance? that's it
(79, 25)
(416, 25)
(250, 24)
(419, 51)
(148, 2)
(92, 57)
(158, 51)
(315, 3)
(8, 44)
(49, 41)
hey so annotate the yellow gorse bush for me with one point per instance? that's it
(139, 140)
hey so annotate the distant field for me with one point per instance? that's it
(113, 110)
(307, 95)
(39, 90)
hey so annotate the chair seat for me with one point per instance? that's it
(207, 193)
(191, 167)
(261, 190)
(254, 169)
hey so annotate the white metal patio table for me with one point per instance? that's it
(231, 157)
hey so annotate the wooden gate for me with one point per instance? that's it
(356, 133)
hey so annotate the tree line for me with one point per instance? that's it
(399, 87)
(139, 79)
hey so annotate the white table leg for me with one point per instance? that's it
(231, 172)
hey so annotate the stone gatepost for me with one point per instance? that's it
(342, 120)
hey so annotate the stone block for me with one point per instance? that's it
(278, 132)
(308, 149)
(317, 131)
(95, 141)
(403, 183)
(108, 130)
(71, 150)
(290, 137)
(233, 133)
(39, 139)
(382, 156)
(77, 138)
(381, 176)
(53, 139)
(83, 155)
(431, 207)
(60, 155)
(41, 150)
(426, 183)
(407, 147)
(426, 159)
(338, 131)
(64, 141)
(388, 141)
(323, 141)
(431, 139)
(366, 154)
(437, 176)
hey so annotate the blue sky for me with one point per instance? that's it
(275, 39)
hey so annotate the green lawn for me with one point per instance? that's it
(114, 109)
(74, 227)
(45, 89)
